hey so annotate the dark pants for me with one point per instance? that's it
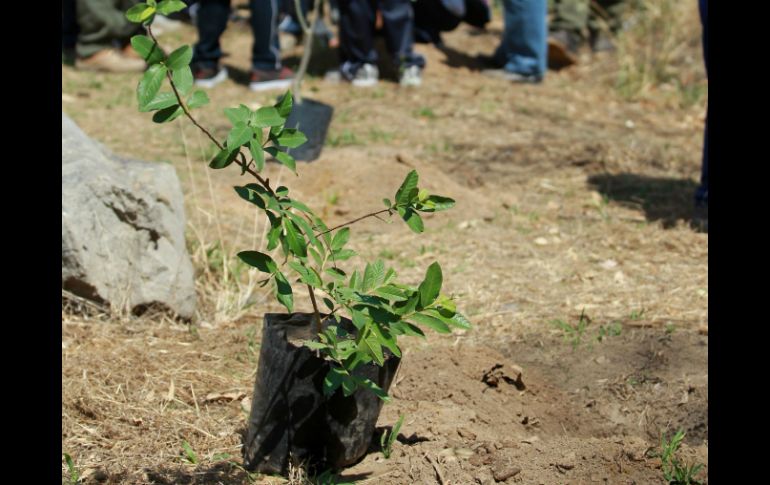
(69, 25)
(212, 21)
(357, 22)
(702, 194)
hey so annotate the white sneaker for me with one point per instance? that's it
(208, 78)
(367, 76)
(412, 76)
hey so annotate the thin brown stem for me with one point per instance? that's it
(371, 214)
(316, 313)
(246, 166)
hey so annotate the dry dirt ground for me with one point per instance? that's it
(570, 199)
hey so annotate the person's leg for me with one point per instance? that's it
(69, 24)
(357, 18)
(266, 51)
(212, 19)
(398, 23)
(702, 194)
(524, 43)
(101, 22)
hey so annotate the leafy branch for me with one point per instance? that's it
(380, 308)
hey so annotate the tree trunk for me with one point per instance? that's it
(290, 416)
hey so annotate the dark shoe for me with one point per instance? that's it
(265, 80)
(489, 62)
(601, 42)
(207, 77)
(563, 47)
(512, 76)
(700, 217)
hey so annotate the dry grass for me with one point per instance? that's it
(570, 197)
(660, 53)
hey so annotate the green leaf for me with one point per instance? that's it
(267, 116)
(348, 385)
(353, 283)
(291, 138)
(139, 13)
(295, 240)
(283, 191)
(456, 320)
(273, 235)
(305, 226)
(412, 219)
(197, 99)
(431, 286)
(359, 319)
(329, 304)
(168, 114)
(150, 84)
(241, 113)
(167, 7)
(372, 346)
(373, 275)
(255, 148)
(446, 306)
(283, 106)
(180, 58)
(249, 194)
(387, 203)
(301, 207)
(429, 321)
(261, 261)
(435, 203)
(239, 134)
(335, 273)
(343, 254)
(307, 275)
(162, 100)
(340, 238)
(404, 193)
(283, 291)
(283, 157)
(183, 79)
(386, 339)
(403, 308)
(333, 380)
(147, 49)
(460, 321)
(224, 158)
(377, 390)
(391, 293)
(407, 328)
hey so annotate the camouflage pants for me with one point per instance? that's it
(577, 16)
(102, 23)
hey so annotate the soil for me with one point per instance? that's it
(571, 200)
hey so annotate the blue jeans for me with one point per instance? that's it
(212, 21)
(524, 47)
(702, 194)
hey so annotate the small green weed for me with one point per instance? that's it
(387, 439)
(674, 471)
(573, 333)
(74, 475)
